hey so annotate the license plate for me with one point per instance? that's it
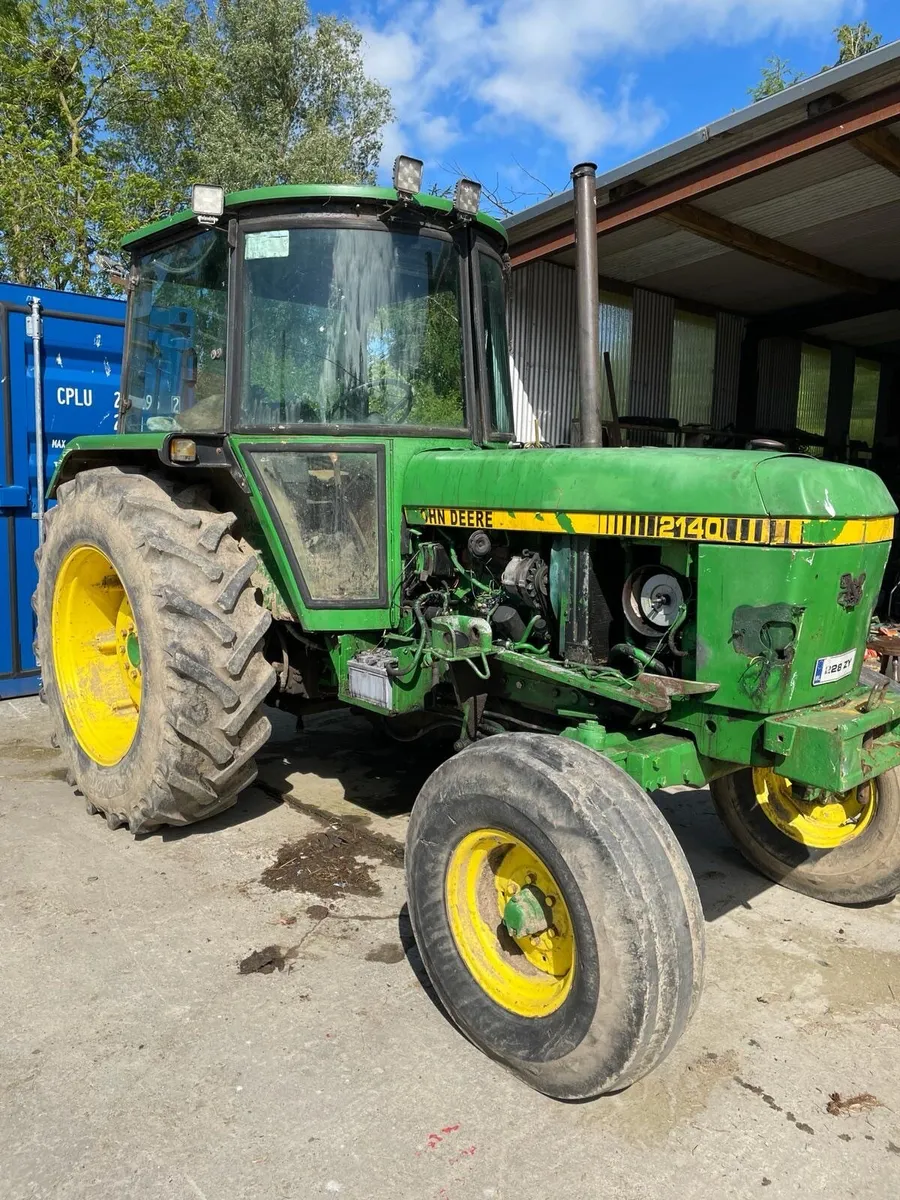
(835, 666)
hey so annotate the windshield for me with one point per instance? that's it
(176, 363)
(351, 326)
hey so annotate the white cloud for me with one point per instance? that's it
(529, 65)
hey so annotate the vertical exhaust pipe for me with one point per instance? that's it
(588, 289)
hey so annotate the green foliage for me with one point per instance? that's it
(777, 74)
(110, 109)
(853, 41)
(294, 104)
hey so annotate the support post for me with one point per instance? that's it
(35, 331)
(748, 381)
(840, 402)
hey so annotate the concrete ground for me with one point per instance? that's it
(138, 1060)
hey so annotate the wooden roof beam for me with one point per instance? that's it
(847, 307)
(882, 147)
(736, 237)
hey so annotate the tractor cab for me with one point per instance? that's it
(314, 310)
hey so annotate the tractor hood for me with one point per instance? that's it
(726, 483)
(547, 490)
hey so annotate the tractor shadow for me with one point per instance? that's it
(377, 778)
(339, 765)
(724, 879)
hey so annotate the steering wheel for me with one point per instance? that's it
(396, 408)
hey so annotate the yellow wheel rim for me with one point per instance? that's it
(97, 655)
(823, 820)
(530, 975)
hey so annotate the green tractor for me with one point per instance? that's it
(315, 498)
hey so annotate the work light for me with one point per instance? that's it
(467, 196)
(207, 202)
(407, 175)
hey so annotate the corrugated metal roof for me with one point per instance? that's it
(736, 282)
(669, 253)
(863, 201)
(801, 206)
(867, 242)
(863, 331)
(826, 164)
(861, 77)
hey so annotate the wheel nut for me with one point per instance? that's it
(531, 877)
(549, 901)
(511, 888)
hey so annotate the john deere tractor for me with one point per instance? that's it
(315, 497)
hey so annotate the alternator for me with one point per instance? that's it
(526, 578)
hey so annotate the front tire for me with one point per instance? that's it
(149, 638)
(844, 850)
(598, 997)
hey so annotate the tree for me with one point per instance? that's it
(853, 41)
(73, 71)
(109, 109)
(777, 74)
(293, 101)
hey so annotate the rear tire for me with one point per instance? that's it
(202, 676)
(630, 902)
(863, 869)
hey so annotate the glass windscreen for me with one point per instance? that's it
(351, 326)
(496, 345)
(176, 365)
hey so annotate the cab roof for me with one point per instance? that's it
(253, 197)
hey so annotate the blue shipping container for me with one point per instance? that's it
(80, 365)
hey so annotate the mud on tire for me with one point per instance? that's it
(204, 676)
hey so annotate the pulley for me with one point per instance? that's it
(652, 599)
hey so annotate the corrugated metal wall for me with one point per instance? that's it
(779, 383)
(653, 316)
(665, 363)
(543, 351)
(727, 374)
(615, 339)
(812, 402)
(866, 379)
(693, 368)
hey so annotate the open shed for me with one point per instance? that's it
(749, 275)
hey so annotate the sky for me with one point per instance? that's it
(514, 92)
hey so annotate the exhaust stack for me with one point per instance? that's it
(588, 288)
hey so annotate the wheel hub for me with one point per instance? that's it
(812, 816)
(523, 913)
(96, 654)
(510, 922)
